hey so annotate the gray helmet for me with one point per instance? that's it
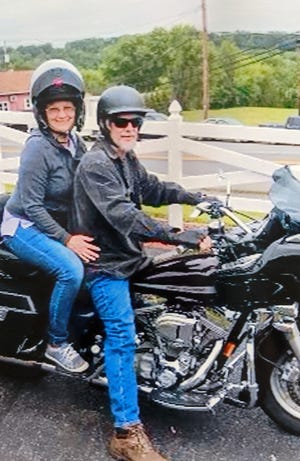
(57, 80)
(119, 99)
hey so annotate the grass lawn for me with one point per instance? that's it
(247, 115)
(162, 213)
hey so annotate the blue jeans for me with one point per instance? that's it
(112, 302)
(34, 247)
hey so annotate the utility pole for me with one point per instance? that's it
(205, 72)
(5, 57)
(298, 55)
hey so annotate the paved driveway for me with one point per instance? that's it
(61, 419)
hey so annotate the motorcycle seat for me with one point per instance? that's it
(3, 199)
(10, 263)
(14, 266)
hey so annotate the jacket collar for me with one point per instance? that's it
(78, 142)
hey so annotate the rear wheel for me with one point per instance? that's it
(281, 395)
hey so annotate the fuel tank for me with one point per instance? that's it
(188, 278)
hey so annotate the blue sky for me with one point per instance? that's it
(57, 21)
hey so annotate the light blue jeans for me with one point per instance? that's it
(112, 302)
(34, 247)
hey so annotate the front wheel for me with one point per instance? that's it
(281, 396)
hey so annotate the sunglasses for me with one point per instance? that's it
(121, 122)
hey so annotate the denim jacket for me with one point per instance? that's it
(108, 194)
(43, 192)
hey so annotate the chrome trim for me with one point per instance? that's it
(202, 371)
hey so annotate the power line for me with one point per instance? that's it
(268, 54)
(196, 72)
(249, 60)
(242, 61)
(246, 57)
(205, 67)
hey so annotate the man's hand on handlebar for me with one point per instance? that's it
(211, 199)
(205, 245)
(205, 200)
(193, 238)
(208, 204)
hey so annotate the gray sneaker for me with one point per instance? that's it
(66, 357)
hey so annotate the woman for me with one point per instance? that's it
(34, 225)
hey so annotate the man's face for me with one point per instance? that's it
(124, 129)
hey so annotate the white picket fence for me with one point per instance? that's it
(180, 139)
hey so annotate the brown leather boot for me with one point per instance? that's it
(133, 444)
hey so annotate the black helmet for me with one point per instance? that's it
(119, 99)
(57, 80)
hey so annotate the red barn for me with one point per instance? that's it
(14, 90)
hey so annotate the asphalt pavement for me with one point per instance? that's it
(56, 418)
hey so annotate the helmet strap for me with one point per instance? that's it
(62, 137)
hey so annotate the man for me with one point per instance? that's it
(110, 187)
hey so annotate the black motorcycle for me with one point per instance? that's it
(211, 328)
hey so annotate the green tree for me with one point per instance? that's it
(184, 67)
(245, 68)
(136, 60)
(94, 81)
(224, 60)
(87, 53)
(160, 98)
(271, 82)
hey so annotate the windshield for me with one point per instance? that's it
(285, 191)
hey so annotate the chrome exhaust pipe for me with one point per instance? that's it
(202, 371)
(28, 363)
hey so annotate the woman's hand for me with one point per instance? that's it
(82, 246)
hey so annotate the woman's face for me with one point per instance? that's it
(60, 116)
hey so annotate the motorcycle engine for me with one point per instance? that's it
(180, 338)
(176, 332)
(180, 332)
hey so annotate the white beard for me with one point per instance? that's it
(126, 146)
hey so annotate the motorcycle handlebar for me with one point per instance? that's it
(237, 220)
(215, 210)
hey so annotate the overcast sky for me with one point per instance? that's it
(59, 21)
